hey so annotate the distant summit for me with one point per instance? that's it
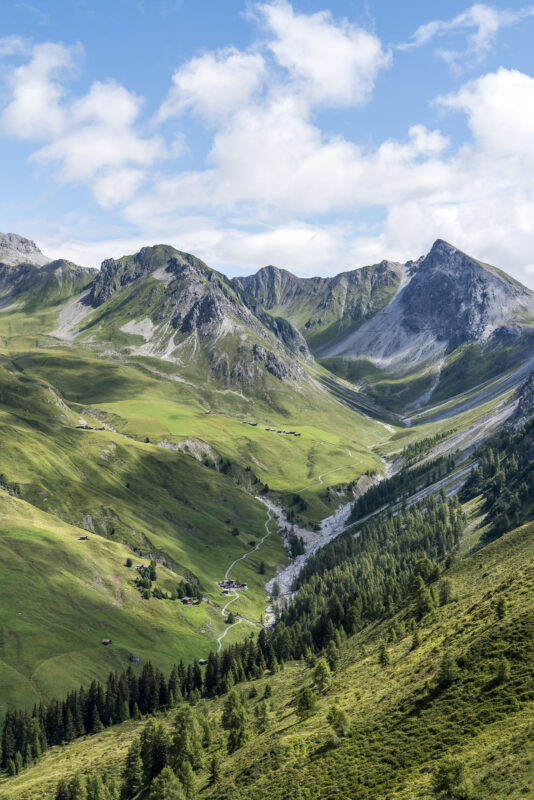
(15, 249)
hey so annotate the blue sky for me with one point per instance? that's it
(317, 136)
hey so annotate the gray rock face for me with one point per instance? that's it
(15, 249)
(445, 300)
(188, 301)
(460, 300)
(323, 305)
(525, 407)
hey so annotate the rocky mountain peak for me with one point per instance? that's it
(460, 299)
(15, 249)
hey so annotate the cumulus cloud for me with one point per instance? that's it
(481, 24)
(333, 62)
(214, 85)
(92, 138)
(35, 109)
(274, 186)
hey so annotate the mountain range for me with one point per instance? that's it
(404, 335)
(328, 474)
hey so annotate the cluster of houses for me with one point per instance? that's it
(89, 428)
(190, 601)
(271, 430)
(287, 433)
(228, 585)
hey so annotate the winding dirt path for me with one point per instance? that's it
(235, 593)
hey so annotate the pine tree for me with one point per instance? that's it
(187, 778)
(166, 787)
(448, 670)
(322, 675)
(306, 703)
(215, 770)
(503, 670)
(383, 655)
(132, 776)
(77, 788)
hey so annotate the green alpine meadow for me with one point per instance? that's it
(232, 566)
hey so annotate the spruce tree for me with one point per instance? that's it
(306, 703)
(166, 787)
(332, 655)
(187, 739)
(77, 788)
(187, 779)
(503, 670)
(62, 790)
(132, 776)
(383, 655)
(215, 770)
(451, 782)
(235, 721)
(322, 675)
(448, 670)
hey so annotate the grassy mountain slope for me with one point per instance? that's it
(401, 723)
(126, 494)
(180, 496)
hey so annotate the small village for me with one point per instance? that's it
(227, 585)
(287, 433)
(271, 430)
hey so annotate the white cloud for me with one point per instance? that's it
(13, 45)
(214, 85)
(333, 63)
(484, 22)
(271, 163)
(100, 136)
(93, 138)
(35, 109)
(500, 110)
(275, 186)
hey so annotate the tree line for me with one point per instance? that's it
(505, 478)
(406, 481)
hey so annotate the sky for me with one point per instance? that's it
(318, 136)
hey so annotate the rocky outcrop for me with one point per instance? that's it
(446, 299)
(191, 306)
(15, 249)
(525, 406)
(29, 285)
(459, 300)
(323, 306)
